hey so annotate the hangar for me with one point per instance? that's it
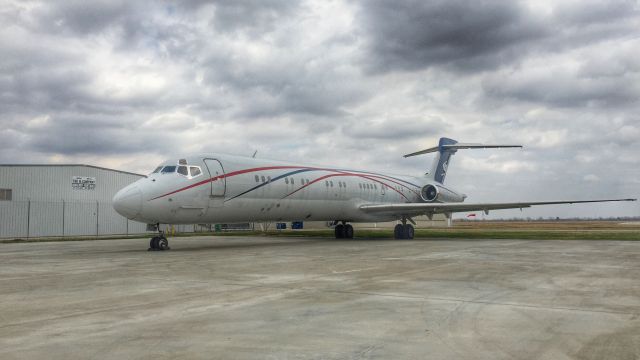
(62, 200)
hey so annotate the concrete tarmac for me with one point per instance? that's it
(310, 298)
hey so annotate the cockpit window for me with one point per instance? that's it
(168, 169)
(157, 170)
(182, 170)
(195, 171)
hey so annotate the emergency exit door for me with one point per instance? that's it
(219, 181)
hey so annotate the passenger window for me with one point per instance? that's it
(360, 185)
(195, 171)
(257, 178)
(331, 182)
(263, 179)
(286, 181)
(291, 181)
(157, 170)
(168, 169)
(182, 170)
(375, 186)
(326, 182)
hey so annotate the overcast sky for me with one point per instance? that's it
(127, 84)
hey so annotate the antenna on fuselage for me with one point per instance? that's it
(254, 154)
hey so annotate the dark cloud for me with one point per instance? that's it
(282, 85)
(81, 17)
(72, 135)
(414, 35)
(563, 89)
(483, 35)
(257, 16)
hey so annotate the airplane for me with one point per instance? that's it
(223, 188)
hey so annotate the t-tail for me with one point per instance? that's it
(447, 147)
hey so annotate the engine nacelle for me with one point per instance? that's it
(438, 193)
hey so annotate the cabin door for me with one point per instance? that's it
(218, 182)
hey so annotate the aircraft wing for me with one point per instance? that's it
(416, 209)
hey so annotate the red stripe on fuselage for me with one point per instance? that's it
(233, 173)
(345, 174)
(240, 172)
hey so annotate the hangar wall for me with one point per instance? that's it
(62, 200)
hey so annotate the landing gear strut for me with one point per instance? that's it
(404, 230)
(344, 231)
(159, 243)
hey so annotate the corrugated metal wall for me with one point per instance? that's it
(44, 203)
(13, 217)
(20, 219)
(53, 182)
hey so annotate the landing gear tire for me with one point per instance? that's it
(348, 231)
(403, 232)
(398, 232)
(339, 231)
(153, 243)
(409, 231)
(159, 243)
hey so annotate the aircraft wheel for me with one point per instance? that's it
(348, 231)
(153, 243)
(339, 231)
(163, 243)
(409, 231)
(398, 232)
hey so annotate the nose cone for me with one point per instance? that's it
(128, 201)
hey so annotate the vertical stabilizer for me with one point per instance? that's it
(441, 162)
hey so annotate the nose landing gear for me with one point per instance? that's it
(159, 243)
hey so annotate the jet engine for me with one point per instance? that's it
(438, 193)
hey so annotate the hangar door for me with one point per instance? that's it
(216, 172)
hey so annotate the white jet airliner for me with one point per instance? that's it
(220, 188)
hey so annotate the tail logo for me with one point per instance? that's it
(445, 165)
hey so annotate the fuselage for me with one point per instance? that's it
(220, 188)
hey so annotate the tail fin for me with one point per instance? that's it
(441, 162)
(447, 147)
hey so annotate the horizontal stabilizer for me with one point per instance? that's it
(459, 146)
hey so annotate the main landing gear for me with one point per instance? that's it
(344, 231)
(159, 243)
(404, 230)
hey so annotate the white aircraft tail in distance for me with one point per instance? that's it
(223, 188)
